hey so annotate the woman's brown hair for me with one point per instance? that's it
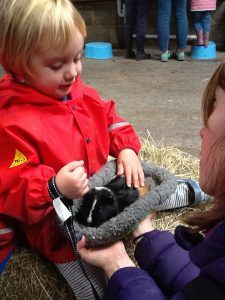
(205, 220)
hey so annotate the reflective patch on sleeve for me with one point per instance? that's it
(19, 159)
(118, 125)
(5, 230)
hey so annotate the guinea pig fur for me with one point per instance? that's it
(102, 203)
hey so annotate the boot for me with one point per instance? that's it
(206, 39)
(129, 53)
(141, 55)
(199, 34)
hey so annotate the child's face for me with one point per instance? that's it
(55, 70)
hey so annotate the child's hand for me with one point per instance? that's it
(129, 164)
(71, 180)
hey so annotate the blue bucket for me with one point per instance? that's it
(201, 52)
(98, 50)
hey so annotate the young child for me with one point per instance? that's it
(55, 132)
(187, 265)
(202, 19)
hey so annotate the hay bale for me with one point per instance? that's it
(29, 276)
(173, 159)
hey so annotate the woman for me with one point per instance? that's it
(167, 271)
(136, 18)
(164, 9)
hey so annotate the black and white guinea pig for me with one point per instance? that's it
(102, 203)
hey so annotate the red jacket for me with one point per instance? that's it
(38, 136)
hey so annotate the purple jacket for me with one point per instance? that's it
(167, 271)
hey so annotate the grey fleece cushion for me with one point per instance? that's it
(162, 184)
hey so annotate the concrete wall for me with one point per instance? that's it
(104, 24)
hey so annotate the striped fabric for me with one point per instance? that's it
(186, 194)
(180, 198)
(78, 282)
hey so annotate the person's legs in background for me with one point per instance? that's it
(206, 24)
(163, 26)
(181, 25)
(141, 26)
(197, 16)
(130, 21)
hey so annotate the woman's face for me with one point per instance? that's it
(212, 155)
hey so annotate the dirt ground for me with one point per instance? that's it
(163, 99)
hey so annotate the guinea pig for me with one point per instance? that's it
(102, 203)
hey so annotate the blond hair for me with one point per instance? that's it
(27, 25)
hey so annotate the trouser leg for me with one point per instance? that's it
(181, 22)
(163, 23)
(206, 24)
(206, 21)
(130, 20)
(197, 18)
(78, 282)
(51, 241)
(142, 13)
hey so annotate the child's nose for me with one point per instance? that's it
(71, 72)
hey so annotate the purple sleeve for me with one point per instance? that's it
(167, 263)
(131, 284)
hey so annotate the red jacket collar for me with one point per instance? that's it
(13, 92)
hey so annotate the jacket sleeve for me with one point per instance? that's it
(122, 134)
(131, 284)
(23, 178)
(168, 264)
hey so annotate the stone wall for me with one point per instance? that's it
(102, 21)
(104, 24)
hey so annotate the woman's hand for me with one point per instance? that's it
(71, 180)
(110, 258)
(129, 164)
